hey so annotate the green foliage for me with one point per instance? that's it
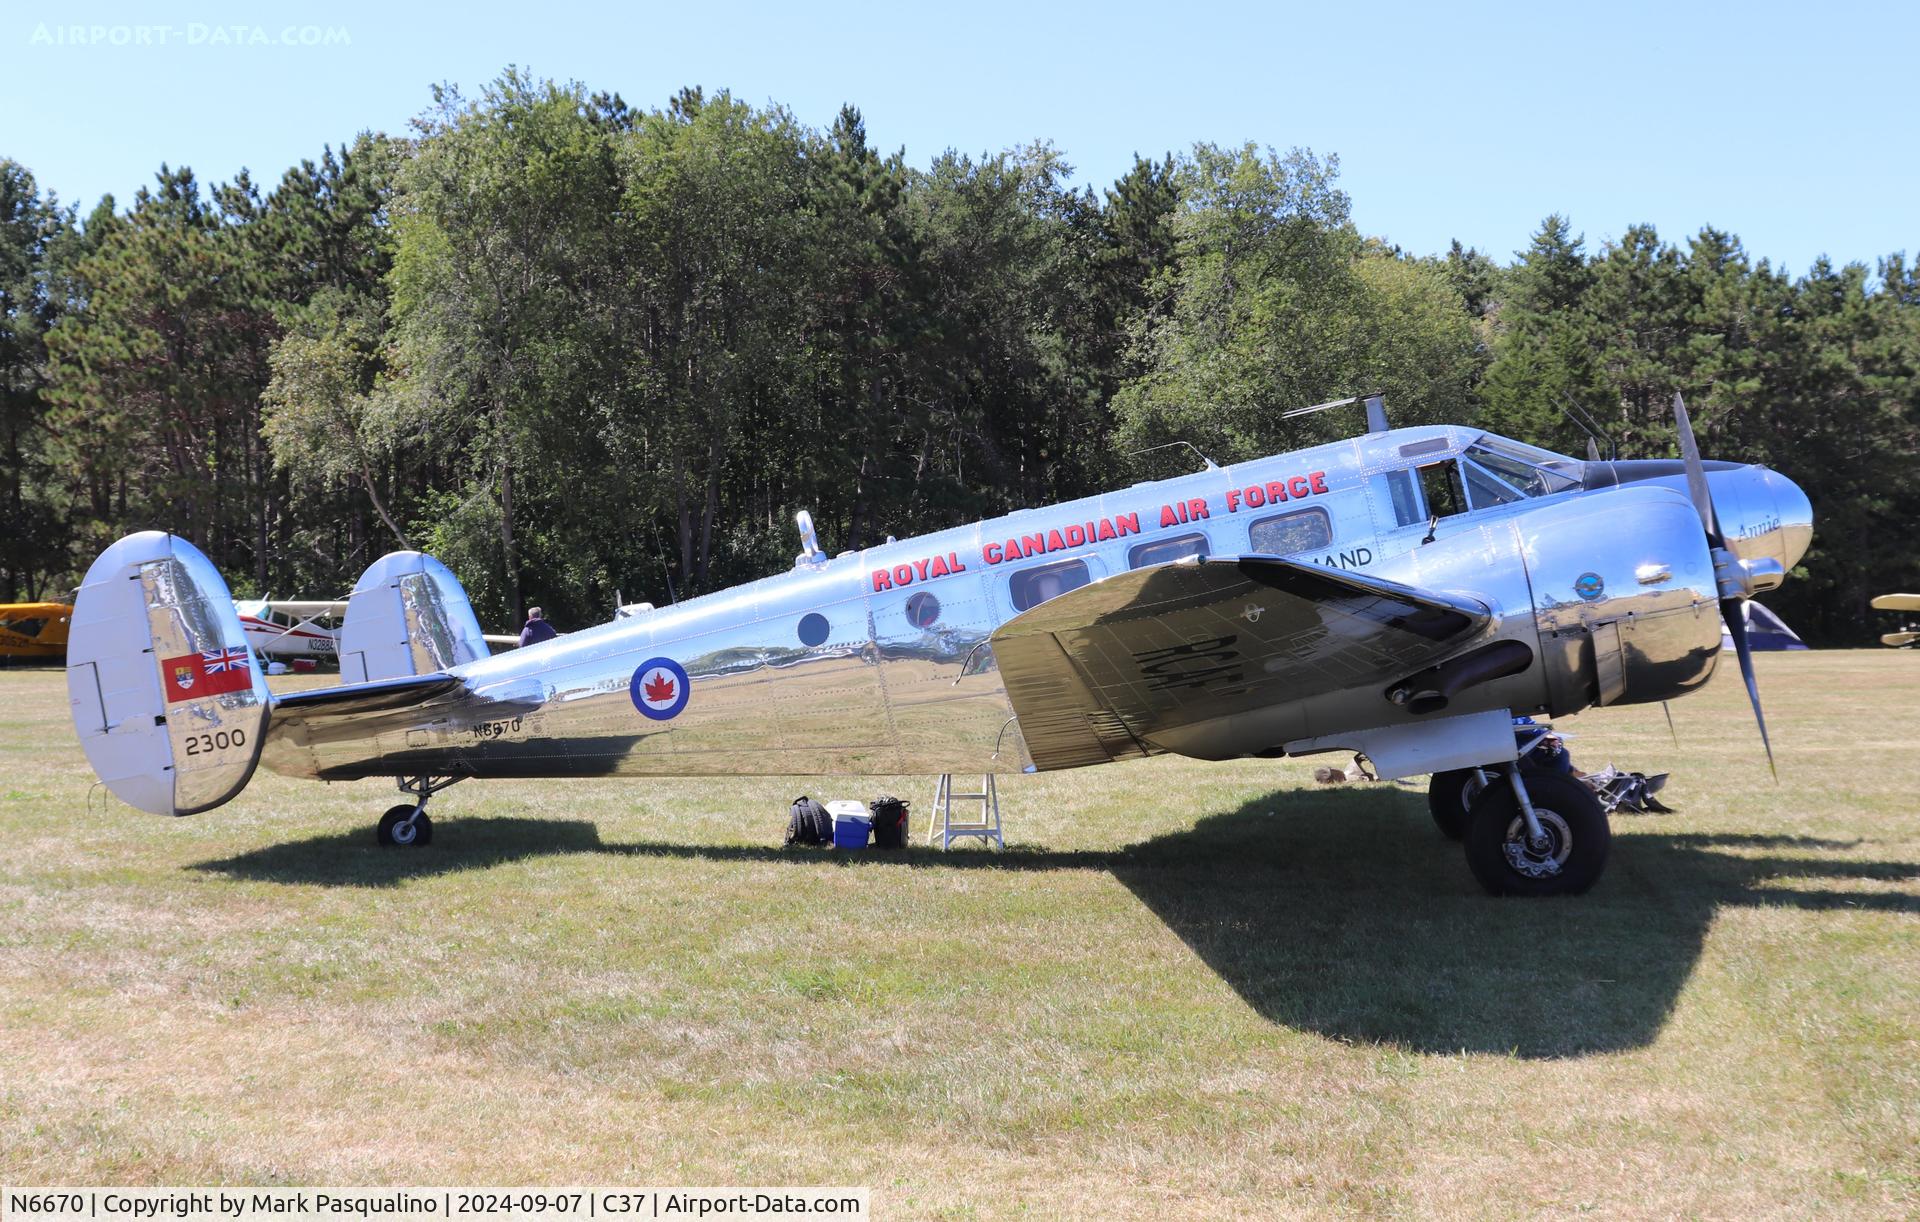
(1818, 378)
(33, 527)
(575, 346)
(1275, 301)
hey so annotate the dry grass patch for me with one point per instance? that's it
(1187, 990)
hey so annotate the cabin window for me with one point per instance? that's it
(1303, 530)
(1037, 585)
(1445, 494)
(813, 629)
(1165, 551)
(923, 610)
(1405, 497)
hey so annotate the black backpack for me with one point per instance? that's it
(808, 822)
(889, 822)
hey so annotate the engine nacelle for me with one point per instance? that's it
(1625, 597)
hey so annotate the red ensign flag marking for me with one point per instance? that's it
(211, 673)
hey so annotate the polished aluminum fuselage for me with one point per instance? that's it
(1612, 589)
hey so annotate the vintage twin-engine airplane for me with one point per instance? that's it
(1401, 595)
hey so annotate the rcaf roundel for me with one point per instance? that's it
(660, 688)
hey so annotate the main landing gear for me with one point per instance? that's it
(407, 825)
(1536, 833)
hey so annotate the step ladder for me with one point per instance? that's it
(943, 829)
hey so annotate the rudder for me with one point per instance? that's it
(408, 615)
(166, 700)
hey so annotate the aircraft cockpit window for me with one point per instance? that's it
(1446, 496)
(25, 627)
(1303, 530)
(1487, 490)
(1531, 472)
(1037, 585)
(1164, 551)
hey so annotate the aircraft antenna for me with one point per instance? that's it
(1318, 407)
(1211, 465)
(1376, 409)
(1595, 434)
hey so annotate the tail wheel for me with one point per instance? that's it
(1566, 859)
(401, 828)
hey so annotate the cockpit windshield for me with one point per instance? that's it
(1510, 471)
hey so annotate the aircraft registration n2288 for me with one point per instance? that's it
(1401, 595)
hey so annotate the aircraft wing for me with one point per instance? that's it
(1897, 602)
(502, 638)
(1096, 672)
(305, 609)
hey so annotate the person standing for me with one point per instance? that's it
(537, 629)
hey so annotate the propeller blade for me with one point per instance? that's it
(1736, 621)
(1696, 471)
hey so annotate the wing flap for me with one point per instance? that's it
(1095, 673)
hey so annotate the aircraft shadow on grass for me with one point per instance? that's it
(1341, 912)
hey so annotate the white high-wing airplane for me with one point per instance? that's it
(291, 628)
(1403, 595)
(295, 628)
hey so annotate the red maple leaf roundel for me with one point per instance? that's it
(659, 688)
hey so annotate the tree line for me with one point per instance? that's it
(573, 347)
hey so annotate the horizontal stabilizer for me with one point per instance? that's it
(353, 699)
(1897, 602)
(1096, 673)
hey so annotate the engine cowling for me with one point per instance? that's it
(1625, 597)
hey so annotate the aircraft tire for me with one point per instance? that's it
(1450, 796)
(394, 833)
(1577, 832)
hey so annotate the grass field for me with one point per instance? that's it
(1187, 990)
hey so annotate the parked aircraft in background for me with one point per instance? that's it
(292, 628)
(34, 632)
(1909, 636)
(1402, 595)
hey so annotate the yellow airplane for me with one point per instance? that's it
(34, 631)
(1908, 637)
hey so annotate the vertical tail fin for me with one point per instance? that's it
(408, 615)
(169, 707)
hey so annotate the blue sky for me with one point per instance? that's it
(1792, 125)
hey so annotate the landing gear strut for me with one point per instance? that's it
(1544, 835)
(407, 825)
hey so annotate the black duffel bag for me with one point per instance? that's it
(889, 822)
